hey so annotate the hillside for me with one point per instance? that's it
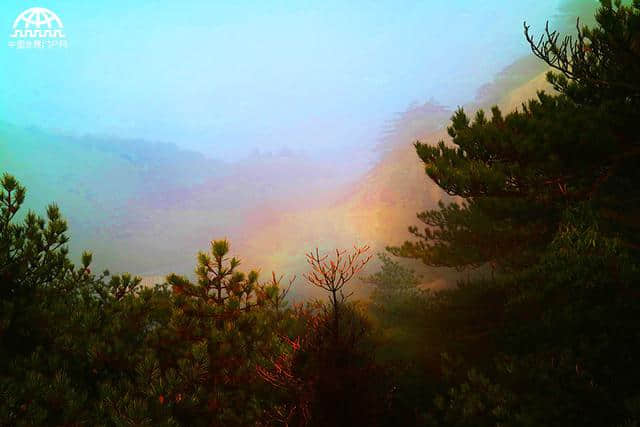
(378, 208)
(148, 207)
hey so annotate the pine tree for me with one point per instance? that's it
(550, 200)
(222, 329)
(76, 348)
(66, 333)
(517, 173)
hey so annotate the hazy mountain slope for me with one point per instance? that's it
(99, 181)
(148, 208)
(378, 209)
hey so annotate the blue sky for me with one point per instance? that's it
(225, 77)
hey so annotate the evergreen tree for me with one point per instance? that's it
(66, 333)
(395, 290)
(76, 348)
(222, 328)
(549, 198)
(517, 173)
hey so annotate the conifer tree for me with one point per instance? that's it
(222, 328)
(550, 197)
(516, 173)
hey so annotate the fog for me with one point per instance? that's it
(281, 126)
(225, 78)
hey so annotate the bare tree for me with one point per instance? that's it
(332, 274)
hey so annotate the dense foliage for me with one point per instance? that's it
(549, 200)
(78, 349)
(546, 332)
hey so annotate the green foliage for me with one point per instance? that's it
(397, 303)
(80, 349)
(517, 173)
(565, 350)
(222, 327)
(549, 198)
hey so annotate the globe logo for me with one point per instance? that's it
(38, 22)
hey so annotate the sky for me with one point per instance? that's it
(228, 77)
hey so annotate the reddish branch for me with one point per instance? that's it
(333, 274)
